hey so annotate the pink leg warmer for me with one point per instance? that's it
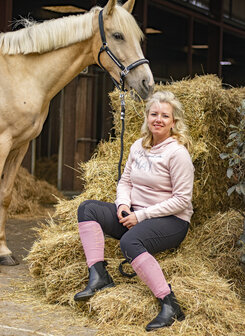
(93, 241)
(149, 271)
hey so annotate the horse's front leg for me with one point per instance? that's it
(10, 170)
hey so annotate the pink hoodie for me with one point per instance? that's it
(157, 182)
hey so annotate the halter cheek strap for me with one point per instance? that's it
(104, 47)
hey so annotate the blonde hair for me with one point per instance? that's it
(178, 132)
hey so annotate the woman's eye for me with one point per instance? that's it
(118, 36)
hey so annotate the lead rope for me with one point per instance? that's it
(123, 110)
(122, 98)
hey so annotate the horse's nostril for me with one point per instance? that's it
(145, 84)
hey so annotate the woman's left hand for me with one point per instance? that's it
(129, 221)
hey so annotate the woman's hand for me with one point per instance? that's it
(122, 207)
(128, 221)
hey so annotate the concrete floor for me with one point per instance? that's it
(19, 317)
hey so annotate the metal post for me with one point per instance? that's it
(33, 156)
(60, 151)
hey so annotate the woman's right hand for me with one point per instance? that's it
(121, 208)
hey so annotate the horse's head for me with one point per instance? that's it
(123, 37)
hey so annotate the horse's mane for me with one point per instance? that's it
(57, 33)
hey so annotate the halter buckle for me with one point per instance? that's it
(124, 72)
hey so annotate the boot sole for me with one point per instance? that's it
(181, 317)
(178, 318)
(84, 298)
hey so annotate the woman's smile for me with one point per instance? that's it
(160, 121)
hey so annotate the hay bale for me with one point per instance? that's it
(209, 110)
(31, 196)
(204, 271)
(202, 294)
(47, 168)
(210, 300)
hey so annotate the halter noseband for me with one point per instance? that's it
(104, 47)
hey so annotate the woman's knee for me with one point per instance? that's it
(131, 247)
(83, 211)
(123, 244)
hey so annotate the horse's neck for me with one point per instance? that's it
(55, 69)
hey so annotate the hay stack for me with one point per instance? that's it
(30, 195)
(204, 271)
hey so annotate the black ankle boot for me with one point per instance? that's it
(99, 279)
(170, 310)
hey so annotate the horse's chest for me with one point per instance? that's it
(28, 128)
(23, 114)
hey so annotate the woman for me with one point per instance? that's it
(155, 191)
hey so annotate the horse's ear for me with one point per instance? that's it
(108, 9)
(129, 5)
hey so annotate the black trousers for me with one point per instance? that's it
(151, 235)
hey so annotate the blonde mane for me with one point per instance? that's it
(48, 35)
(57, 33)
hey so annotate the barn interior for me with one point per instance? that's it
(182, 38)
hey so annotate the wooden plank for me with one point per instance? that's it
(80, 127)
(69, 109)
(26, 163)
(103, 109)
(54, 122)
(85, 124)
(215, 48)
(190, 43)
(6, 9)
(141, 14)
(215, 38)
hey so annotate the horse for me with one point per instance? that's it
(37, 61)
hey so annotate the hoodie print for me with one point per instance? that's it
(145, 161)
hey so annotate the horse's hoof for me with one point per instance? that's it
(8, 260)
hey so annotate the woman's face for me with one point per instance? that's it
(160, 121)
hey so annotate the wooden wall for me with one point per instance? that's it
(5, 15)
(79, 129)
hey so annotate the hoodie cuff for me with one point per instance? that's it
(140, 215)
(121, 201)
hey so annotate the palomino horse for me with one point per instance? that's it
(36, 62)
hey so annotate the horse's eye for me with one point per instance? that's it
(118, 36)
